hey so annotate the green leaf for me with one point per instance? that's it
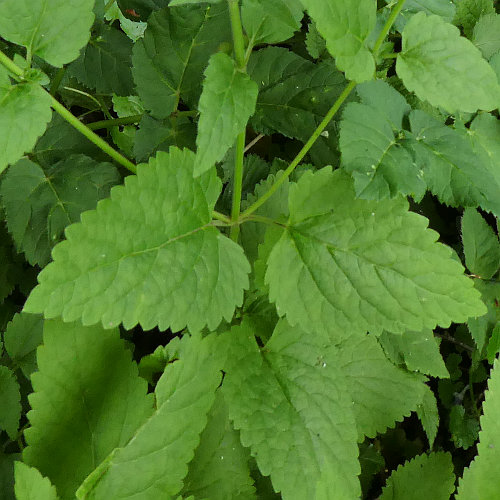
(482, 478)
(105, 63)
(155, 135)
(315, 43)
(141, 9)
(22, 336)
(88, 399)
(7, 475)
(372, 145)
(426, 476)
(494, 344)
(481, 327)
(347, 265)
(10, 409)
(345, 25)
(481, 245)
(226, 103)
(285, 394)
(442, 8)
(168, 63)
(486, 35)
(271, 21)
(464, 428)
(147, 255)
(31, 485)
(452, 169)
(24, 114)
(153, 463)
(55, 30)
(418, 350)
(39, 203)
(219, 468)
(444, 68)
(469, 13)
(428, 414)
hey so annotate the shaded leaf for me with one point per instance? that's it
(31, 485)
(10, 409)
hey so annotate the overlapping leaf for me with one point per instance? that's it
(226, 103)
(345, 25)
(170, 60)
(40, 203)
(287, 394)
(31, 485)
(154, 462)
(141, 9)
(486, 35)
(88, 399)
(55, 30)
(271, 21)
(443, 8)
(482, 478)
(347, 265)
(470, 11)
(147, 255)
(10, 409)
(372, 144)
(444, 68)
(105, 63)
(426, 476)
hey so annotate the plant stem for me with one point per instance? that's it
(237, 29)
(9, 64)
(108, 5)
(221, 217)
(57, 81)
(91, 136)
(253, 142)
(307, 146)
(387, 27)
(115, 122)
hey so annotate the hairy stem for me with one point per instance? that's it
(387, 27)
(115, 122)
(300, 156)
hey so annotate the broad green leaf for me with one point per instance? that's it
(286, 394)
(88, 399)
(418, 350)
(24, 114)
(372, 144)
(486, 35)
(158, 135)
(55, 30)
(149, 254)
(428, 414)
(426, 476)
(40, 203)
(445, 69)
(219, 468)
(168, 63)
(153, 463)
(451, 167)
(481, 245)
(226, 103)
(347, 265)
(141, 9)
(443, 8)
(345, 25)
(105, 63)
(31, 485)
(482, 478)
(271, 21)
(10, 409)
(22, 336)
(470, 11)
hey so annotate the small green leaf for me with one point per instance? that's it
(345, 265)
(494, 344)
(482, 478)
(22, 336)
(226, 103)
(428, 414)
(7, 475)
(481, 245)
(426, 476)
(271, 21)
(149, 254)
(31, 485)
(464, 428)
(10, 409)
(470, 11)
(482, 326)
(40, 203)
(444, 68)
(315, 43)
(55, 30)
(345, 25)
(141, 9)
(153, 463)
(487, 34)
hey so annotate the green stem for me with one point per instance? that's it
(115, 122)
(9, 64)
(221, 217)
(237, 29)
(108, 5)
(387, 27)
(57, 81)
(237, 185)
(91, 136)
(300, 156)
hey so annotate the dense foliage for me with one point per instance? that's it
(249, 249)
